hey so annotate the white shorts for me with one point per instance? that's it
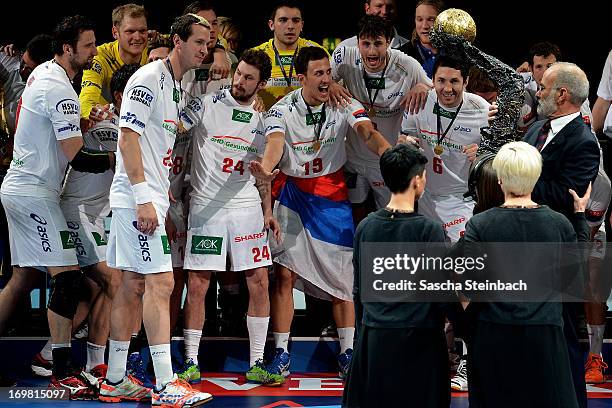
(177, 214)
(452, 211)
(360, 179)
(130, 250)
(39, 236)
(218, 234)
(90, 240)
(598, 250)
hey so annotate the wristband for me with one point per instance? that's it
(142, 193)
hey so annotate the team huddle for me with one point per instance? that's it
(212, 163)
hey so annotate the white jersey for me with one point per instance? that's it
(447, 173)
(402, 73)
(149, 109)
(529, 111)
(604, 91)
(49, 112)
(226, 137)
(198, 83)
(88, 191)
(600, 199)
(396, 42)
(301, 158)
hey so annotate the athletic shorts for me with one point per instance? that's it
(360, 179)
(216, 235)
(131, 250)
(39, 235)
(176, 213)
(90, 240)
(452, 211)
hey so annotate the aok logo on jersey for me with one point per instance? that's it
(311, 119)
(99, 239)
(241, 116)
(286, 59)
(68, 107)
(141, 94)
(71, 240)
(375, 83)
(205, 245)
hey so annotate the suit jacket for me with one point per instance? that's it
(570, 160)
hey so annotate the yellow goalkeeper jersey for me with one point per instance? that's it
(281, 84)
(95, 86)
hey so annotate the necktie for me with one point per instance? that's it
(543, 135)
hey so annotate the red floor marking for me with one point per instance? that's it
(283, 403)
(298, 385)
(313, 385)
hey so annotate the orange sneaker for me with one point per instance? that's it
(594, 369)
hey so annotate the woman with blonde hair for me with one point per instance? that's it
(520, 345)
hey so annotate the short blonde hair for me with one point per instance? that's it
(127, 10)
(518, 165)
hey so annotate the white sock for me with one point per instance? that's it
(258, 329)
(46, 351)
(596, 334)
(465, 349)
(281, 340)
(162, 364)
(192, 343)
(117, 360)
(346, 336)
(95, 355)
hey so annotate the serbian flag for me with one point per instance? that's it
(317, 230)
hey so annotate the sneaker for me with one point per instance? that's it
(178, 393)
(41, 367)
(129, 389)
(594, 369)
(99, 371)
(344, 363)
(82, 332)
(190, 372)
(136, 368)
(78, 387)
(459, 382)
(280, 363)
(259, 374)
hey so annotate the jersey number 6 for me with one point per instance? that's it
(437, 165)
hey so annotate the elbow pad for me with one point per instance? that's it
(91, 161)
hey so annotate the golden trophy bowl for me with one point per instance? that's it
(456, 22)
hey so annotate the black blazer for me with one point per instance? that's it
(570, 160)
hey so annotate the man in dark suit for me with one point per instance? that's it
(570, 155)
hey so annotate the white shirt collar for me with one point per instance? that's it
(559, 123)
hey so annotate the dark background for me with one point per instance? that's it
(505, 29)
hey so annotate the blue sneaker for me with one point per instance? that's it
(280, 363)
(344, 362)
(137, 369)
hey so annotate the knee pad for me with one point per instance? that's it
(66, 290)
